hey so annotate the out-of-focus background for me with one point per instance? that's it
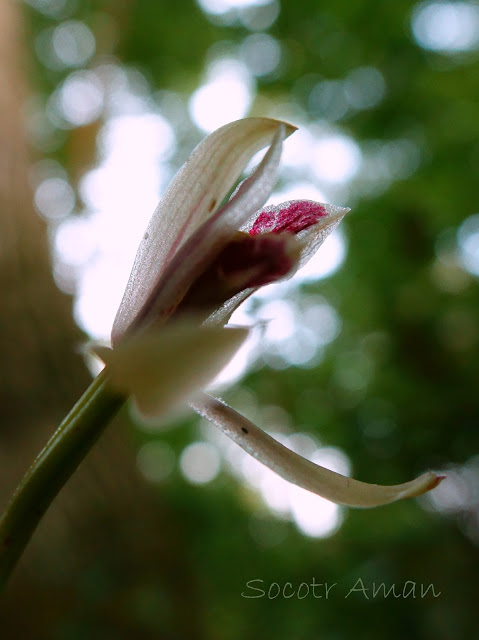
(369, 361)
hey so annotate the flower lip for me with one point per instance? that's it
(245, 262)
(267, 257)
(292, 217)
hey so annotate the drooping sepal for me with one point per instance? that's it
(300, 471)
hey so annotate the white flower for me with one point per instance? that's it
(197, 262)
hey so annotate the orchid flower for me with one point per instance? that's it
(197, 262)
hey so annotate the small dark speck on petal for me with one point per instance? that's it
(244, 429)
(212, 205)
(145, 237)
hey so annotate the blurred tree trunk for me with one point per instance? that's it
(42, 373)
(38, 339)
(104, 517)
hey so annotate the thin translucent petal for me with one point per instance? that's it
(301, 472)
(220, 316)
(207, 241)
(193, 195)
(311, 239)
(161, 370)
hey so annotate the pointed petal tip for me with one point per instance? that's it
(334, 215)
(424, 483)
(335, 211)
(289, 128)
(436, 481)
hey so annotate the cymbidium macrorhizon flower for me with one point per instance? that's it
(198, 260)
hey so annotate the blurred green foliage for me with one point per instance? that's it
(408, 309)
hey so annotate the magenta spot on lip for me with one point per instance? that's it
(296, 217)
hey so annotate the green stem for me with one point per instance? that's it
(51, 469)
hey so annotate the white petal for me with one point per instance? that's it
(302, 472)
(202, 247)
(194, 193)
(162, 369)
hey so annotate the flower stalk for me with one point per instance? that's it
(51, 469)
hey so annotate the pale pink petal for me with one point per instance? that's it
(202, 247)
(193, 195)
(300, 471)
(162, 369)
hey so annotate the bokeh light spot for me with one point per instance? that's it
(75, 241)
(259, 17)
(324, 320)
(447, 27)
(468, 241)
(217, 7)
(200, 462)
(156, 461)
(337, 159)
(54, 198)
(364, 87)
(314, 516)
(80, 98)
(261, 53)
(148, 134)
(53, 8)
(328, 100)
(226, 96)
(73, 43)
